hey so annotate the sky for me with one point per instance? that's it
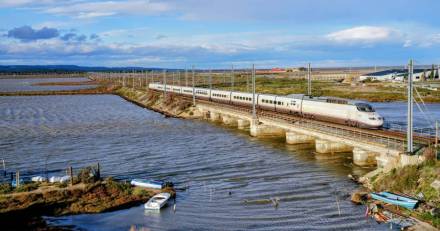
(219, 33)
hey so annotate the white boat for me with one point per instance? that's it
(157, 201)
(156, 184)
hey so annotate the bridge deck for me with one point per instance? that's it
(388, 139)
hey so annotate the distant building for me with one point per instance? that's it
(398, 75)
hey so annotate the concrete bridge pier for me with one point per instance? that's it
(243, 123)
(214, 116)
(261, 130)
(326, 146)
(229, 120)
(364, 158)
(297, 138)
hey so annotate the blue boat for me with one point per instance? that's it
(155, 184)
(395, 199)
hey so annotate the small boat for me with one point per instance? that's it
(395, 199)
(157, 201)
(155, 184)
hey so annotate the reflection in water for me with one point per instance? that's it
(227, 179)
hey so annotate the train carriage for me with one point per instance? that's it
(221, 96)
(290, 104)
(187, 91)
(202, 93)
(266, 102)
(241, 98)
(176, 89)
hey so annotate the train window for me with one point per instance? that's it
(363, 107)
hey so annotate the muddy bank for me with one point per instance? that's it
(90, 82)
(102, 89)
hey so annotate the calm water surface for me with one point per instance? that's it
(230, 176)
(11, 85)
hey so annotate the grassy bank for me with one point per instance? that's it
(88, 194)
(373, 92)
(170, 105)
(414, 180)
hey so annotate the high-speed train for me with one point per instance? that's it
(335, 110)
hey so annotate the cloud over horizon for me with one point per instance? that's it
(27, 33)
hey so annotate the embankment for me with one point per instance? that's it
(168, 105)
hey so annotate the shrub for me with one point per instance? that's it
(27, 187)
(88, 175)
(5, 188)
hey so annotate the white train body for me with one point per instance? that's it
(334, 110)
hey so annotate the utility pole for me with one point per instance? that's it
(247, 81)
(186, 78)
(409, 134)
(147, 81)
(309, 80)
(210, 80)
(232, 77)
(194, 88)
(164, 83)
(254, 113)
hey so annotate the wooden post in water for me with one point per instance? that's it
(71, 175)
(17, 179)
(4, 167)
(98, 171)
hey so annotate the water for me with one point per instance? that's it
(423, 119)
(12, 85)
(231, 176)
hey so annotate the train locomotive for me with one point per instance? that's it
(329, 109)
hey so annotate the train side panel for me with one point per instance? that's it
(202, 93)
(187, 91)
(240, 98)
(221, 96)
(336, 113)
(289, 105)
(266, 102)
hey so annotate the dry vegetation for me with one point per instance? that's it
(372, 91)
(89, 194)
(415, 180)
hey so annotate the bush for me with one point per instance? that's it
(88, 175)
(5, 188)
(27, 187)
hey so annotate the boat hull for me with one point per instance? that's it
(409, 204)
(147, 183)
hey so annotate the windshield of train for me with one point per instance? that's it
(364, 107)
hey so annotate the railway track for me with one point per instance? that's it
(390, 138)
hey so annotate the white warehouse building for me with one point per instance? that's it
(398, 75)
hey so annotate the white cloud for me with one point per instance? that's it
(107, 8)
(366, 34)
(19, 3)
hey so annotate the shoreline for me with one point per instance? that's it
(24, 207)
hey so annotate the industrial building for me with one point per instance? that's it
(399, 75)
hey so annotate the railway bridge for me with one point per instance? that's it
(383, 148)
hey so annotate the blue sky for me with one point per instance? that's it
(219, 33)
